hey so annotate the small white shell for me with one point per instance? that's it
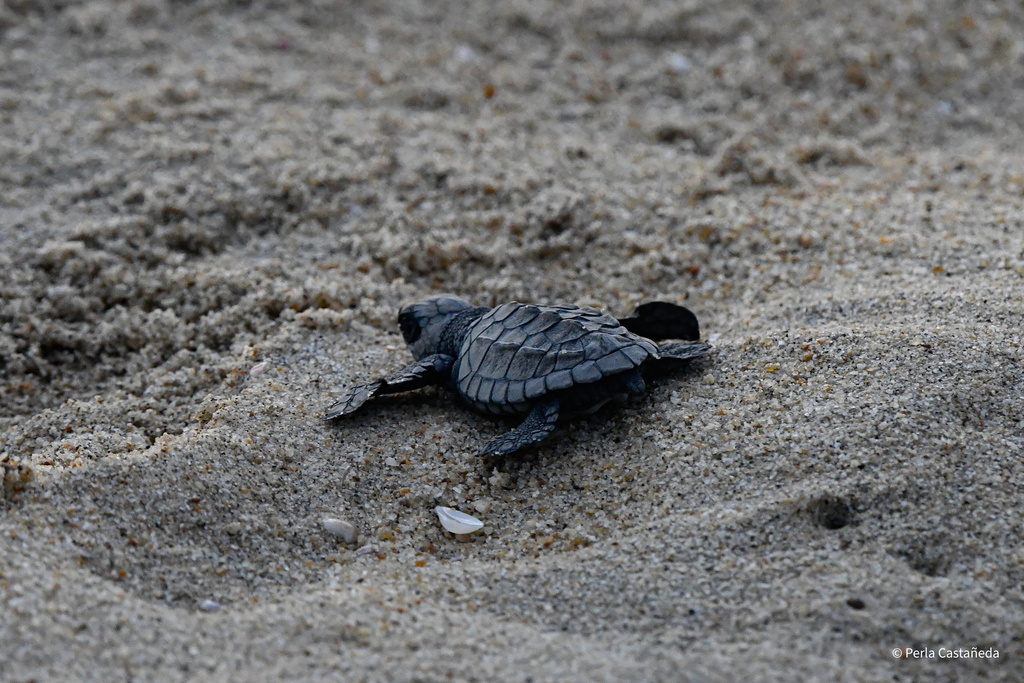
(209, 605)
(458, 522)
(258, 369)
(339, 527)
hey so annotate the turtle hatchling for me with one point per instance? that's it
(543, 362)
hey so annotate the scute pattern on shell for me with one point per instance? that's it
(519, 352)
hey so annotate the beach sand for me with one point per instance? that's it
(211, 212)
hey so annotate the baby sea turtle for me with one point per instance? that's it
(544, 362)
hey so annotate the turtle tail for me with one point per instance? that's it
(659, 320)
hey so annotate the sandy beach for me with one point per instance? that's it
(210, 213)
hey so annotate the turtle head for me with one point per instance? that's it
(423, 323)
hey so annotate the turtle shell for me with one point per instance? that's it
(516, 353)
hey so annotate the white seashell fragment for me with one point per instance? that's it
(339, 527)
(209, 605)
(258, 369)
(679, 63)
(458, 522)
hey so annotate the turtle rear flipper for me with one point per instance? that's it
(674, 356)
(537, 425)
(684, 351)
(432, 370)
(659, 320)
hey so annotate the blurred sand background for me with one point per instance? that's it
(190, 189)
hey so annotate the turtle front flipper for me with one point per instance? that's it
(429, 371)
(659, 320)
(537, 425)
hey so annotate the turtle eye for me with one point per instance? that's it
(410, 327)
